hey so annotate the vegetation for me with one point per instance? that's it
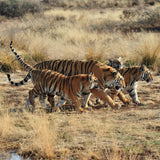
(101, 4)
(18, 8)
(131, 134)
(80, 29)
(82, 34)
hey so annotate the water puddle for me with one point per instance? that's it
(11, 155)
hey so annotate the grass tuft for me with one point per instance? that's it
(93, 54)
(6, 63)
(45, 135)
(150, 58)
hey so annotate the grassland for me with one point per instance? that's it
(80, 33)
(129, 133)
(73, 29)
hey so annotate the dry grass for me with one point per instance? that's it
(101, 4)
(74, 34)
(131, 133)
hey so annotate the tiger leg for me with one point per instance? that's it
(51, 100)
(85, 101)
(42, 99)
(105, 98)
(32, 96)
(98, 101)
(113, 93)
(28, 103)
(123, 98)
(110, 94)
(27, 106)
(77, 103)
(133, 94)
(61, 102)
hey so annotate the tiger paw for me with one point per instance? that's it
(127, 102)
(56, 109)
(98, 101)
(81, 110)
(49, 110)
(141, 104)
(90, 104)
(88, 108)
(117, 106)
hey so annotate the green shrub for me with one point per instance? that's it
(18, 8)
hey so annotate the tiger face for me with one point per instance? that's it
(90, 83)
(146, 74)
(114, 79)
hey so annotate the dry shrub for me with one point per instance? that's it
(92, 55)
(43, 137)
(149, 50)
(98, 4)
(6, 62)
(150, 58)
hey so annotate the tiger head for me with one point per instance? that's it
(112, 78)
(116, 63)
(146, 75)
(89, 82)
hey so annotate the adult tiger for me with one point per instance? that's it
(107, 76)
(131, 77)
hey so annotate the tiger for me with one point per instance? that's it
(107, 76)
(131, 77)
(67, 87)
(49, 82)
(115, 63)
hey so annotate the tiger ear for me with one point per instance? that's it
(142, 67)
(91, 73)
(120, 59)
(90, 77)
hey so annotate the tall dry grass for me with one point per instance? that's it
(69, 34)
(41, 139)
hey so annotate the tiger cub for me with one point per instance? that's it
(131, 76)
(67, 87)
(107, 76)
(48, 82)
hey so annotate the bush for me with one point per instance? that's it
(17, 8)
(150, 58)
